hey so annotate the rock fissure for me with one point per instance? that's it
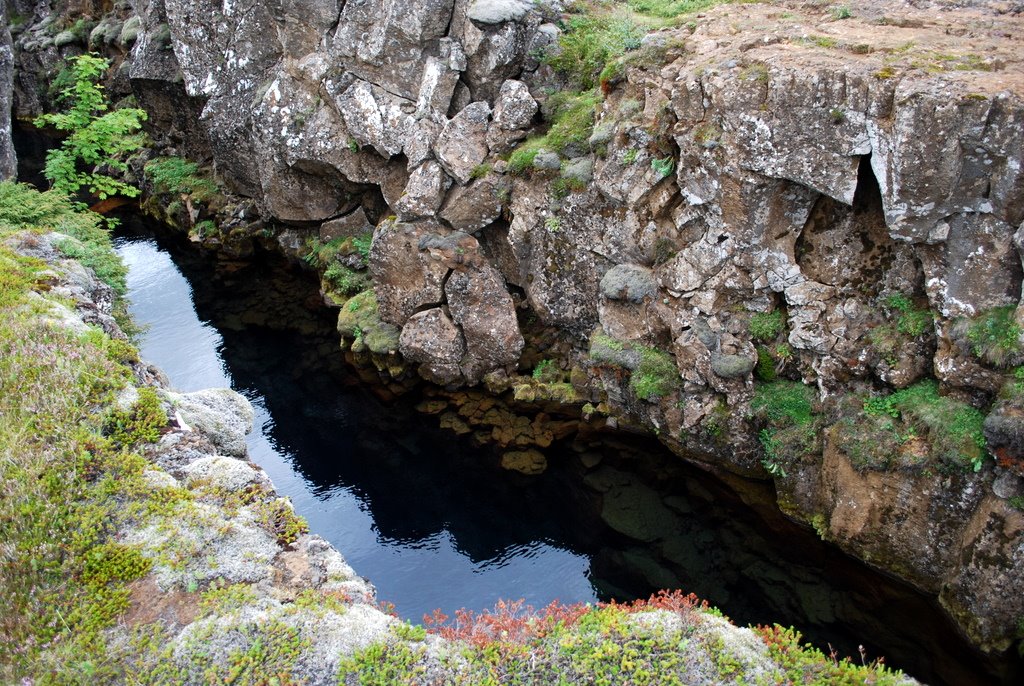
(867, 178)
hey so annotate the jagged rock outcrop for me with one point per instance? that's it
(8, 161)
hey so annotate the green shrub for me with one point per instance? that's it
(345, 281)
(766, 326)
(994, 335)
(141, 423)
(96, 138)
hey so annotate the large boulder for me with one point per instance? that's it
(462, 145)
(481, 305)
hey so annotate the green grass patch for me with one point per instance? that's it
(793, 426)
(572, 121)
(180, 177)
(952, 429)
(994, 336)
(656, 376)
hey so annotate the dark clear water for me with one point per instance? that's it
(435, 523)
(428, 530)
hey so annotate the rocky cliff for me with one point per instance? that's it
(784, 239)
(140, 545)
(8, 162)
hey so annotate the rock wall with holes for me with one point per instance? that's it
(766, 197)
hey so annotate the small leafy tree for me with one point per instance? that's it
(97, 137)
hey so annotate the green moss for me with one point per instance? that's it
(656, 376)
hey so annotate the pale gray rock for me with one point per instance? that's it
(377, 118)
(547, 160)
(8, 161)
(629, 282)
(494, 52)
(419, 146)
(515, 107)
(731, 366)
(389, 42)
(462, 145)
(580, 171)
(424, 193)
(229, 474)
(498, 11)
(473, 207)
(220, 414)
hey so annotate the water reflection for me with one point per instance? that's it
(434, 523)
(414, 511)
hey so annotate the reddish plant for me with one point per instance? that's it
(509, 622)
(513, 622)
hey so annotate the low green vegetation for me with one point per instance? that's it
(177, 176)
(904, 322)
(70, 469)
(766, 326)
(792, 425)
(22, 206)
(656, 376)
(97, 139)
(668, 639)
(994, 336)
(915, 426)
(572, 120)
(359, 320)
(805, 664)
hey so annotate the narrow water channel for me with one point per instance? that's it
(434, 523)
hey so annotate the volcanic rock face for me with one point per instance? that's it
(839, 203)
(8, 162)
